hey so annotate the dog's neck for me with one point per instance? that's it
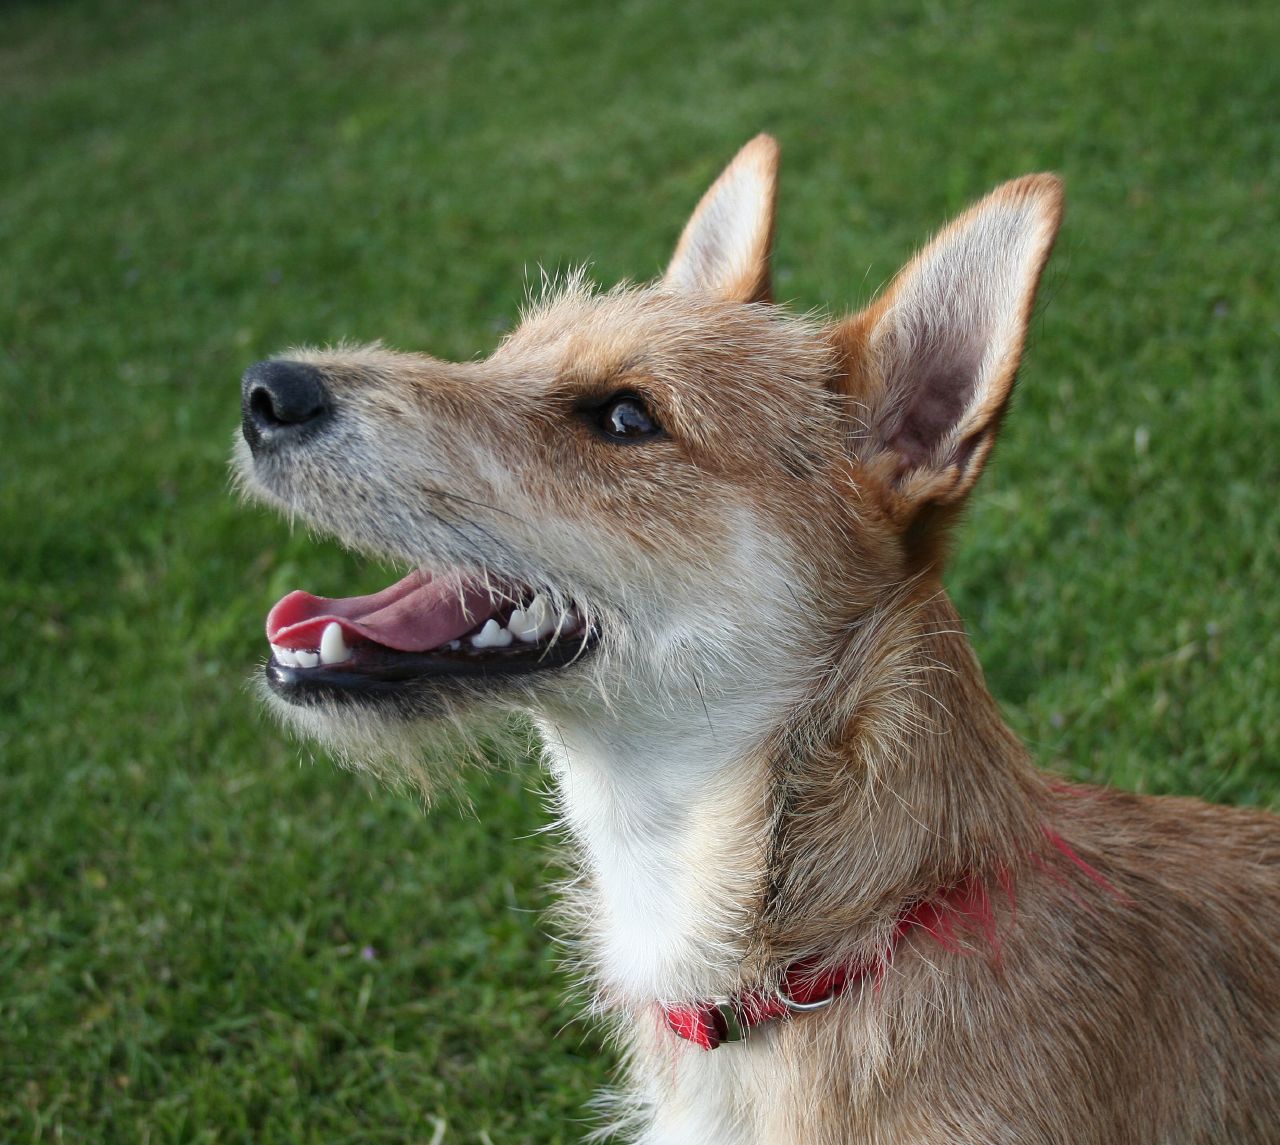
(670, 822)
(898, 784)
(716, 844)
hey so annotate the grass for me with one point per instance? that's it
(204, 940)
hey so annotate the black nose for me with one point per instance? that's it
(281, 401)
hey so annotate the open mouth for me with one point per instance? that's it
(419, 629)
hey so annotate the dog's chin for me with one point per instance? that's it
(419, 738)
(418, 719)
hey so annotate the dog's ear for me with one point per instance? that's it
(727, 242)
(931, 364)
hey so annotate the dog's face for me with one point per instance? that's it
(641, 497)
(618, 458)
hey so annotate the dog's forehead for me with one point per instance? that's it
(575, 328)
(576, 332)
(693, 348)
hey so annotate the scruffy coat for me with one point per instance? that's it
(780, 742)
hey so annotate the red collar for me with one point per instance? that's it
(708, 1024)
(804, 988)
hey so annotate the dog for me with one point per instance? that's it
(823, 896)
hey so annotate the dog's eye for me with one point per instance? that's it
(626, 418)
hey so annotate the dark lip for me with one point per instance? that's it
(383, 674)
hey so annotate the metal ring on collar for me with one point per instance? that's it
(803, 1007)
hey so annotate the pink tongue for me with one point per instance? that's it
(413, 615)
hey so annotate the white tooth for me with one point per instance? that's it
(492, 635)
(286, 657)
(276, 650)
(534, 622)
(521, 624)
(333, 649)
(307, 659)
(570, 622)
(454, 645)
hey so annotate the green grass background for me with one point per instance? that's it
(208, 935)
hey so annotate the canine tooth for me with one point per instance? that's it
(534, 622)
(307, 659)
(492, 635)
(333, 649)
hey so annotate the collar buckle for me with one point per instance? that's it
(729, 1024)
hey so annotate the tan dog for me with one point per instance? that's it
(825, 897)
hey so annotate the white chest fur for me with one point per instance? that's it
(671, 827)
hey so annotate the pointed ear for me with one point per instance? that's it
(932, 363)
(728, 241)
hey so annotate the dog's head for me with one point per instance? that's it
(648, 497)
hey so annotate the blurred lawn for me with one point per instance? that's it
(201, 940)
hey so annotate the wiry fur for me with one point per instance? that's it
(783, 741)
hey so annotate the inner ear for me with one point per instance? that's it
(946, 376)
(726, 246)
